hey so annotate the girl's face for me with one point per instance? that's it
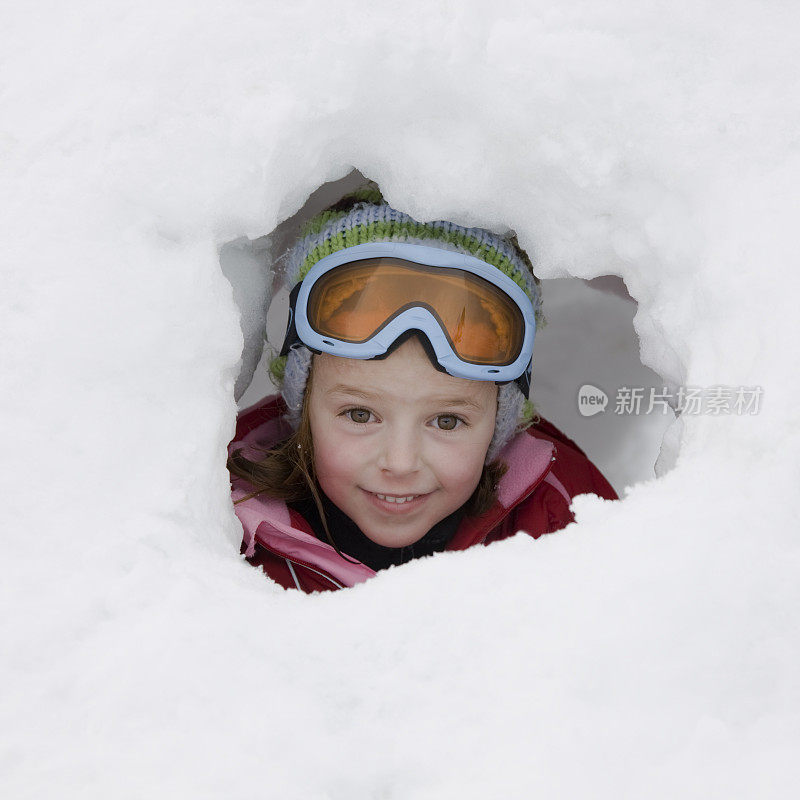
(398, 445)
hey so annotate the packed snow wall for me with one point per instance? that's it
(647, 649)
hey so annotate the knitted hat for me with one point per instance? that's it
(363, 216)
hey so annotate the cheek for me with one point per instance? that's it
(459, 469)
(329, 454)
(325, 465)
(338, 458)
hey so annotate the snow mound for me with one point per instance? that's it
(648, 650)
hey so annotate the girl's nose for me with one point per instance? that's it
(400, 451)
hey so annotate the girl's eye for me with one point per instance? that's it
(358, 414)
(447, 422)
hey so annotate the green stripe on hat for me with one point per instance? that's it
(402, 231)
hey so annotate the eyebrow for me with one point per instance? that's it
(341, 388)
(453, 402)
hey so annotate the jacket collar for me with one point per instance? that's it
(529, 461)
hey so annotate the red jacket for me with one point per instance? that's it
(546, 470)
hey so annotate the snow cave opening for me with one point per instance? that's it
(588, 348)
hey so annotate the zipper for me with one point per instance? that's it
(320, 573)
(299, 563)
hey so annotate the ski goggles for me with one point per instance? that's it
(356, 303)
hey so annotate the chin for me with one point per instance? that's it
(394, 540)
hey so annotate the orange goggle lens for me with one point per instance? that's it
(354, 301)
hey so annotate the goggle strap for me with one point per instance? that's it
(524, 380)
(292, 337)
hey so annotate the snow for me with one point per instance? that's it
(650, 649)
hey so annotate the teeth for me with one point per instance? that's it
(398, 500)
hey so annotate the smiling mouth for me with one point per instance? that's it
(399, 499)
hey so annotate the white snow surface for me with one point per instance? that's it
(648, 650)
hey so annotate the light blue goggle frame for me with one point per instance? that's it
(419, 318)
